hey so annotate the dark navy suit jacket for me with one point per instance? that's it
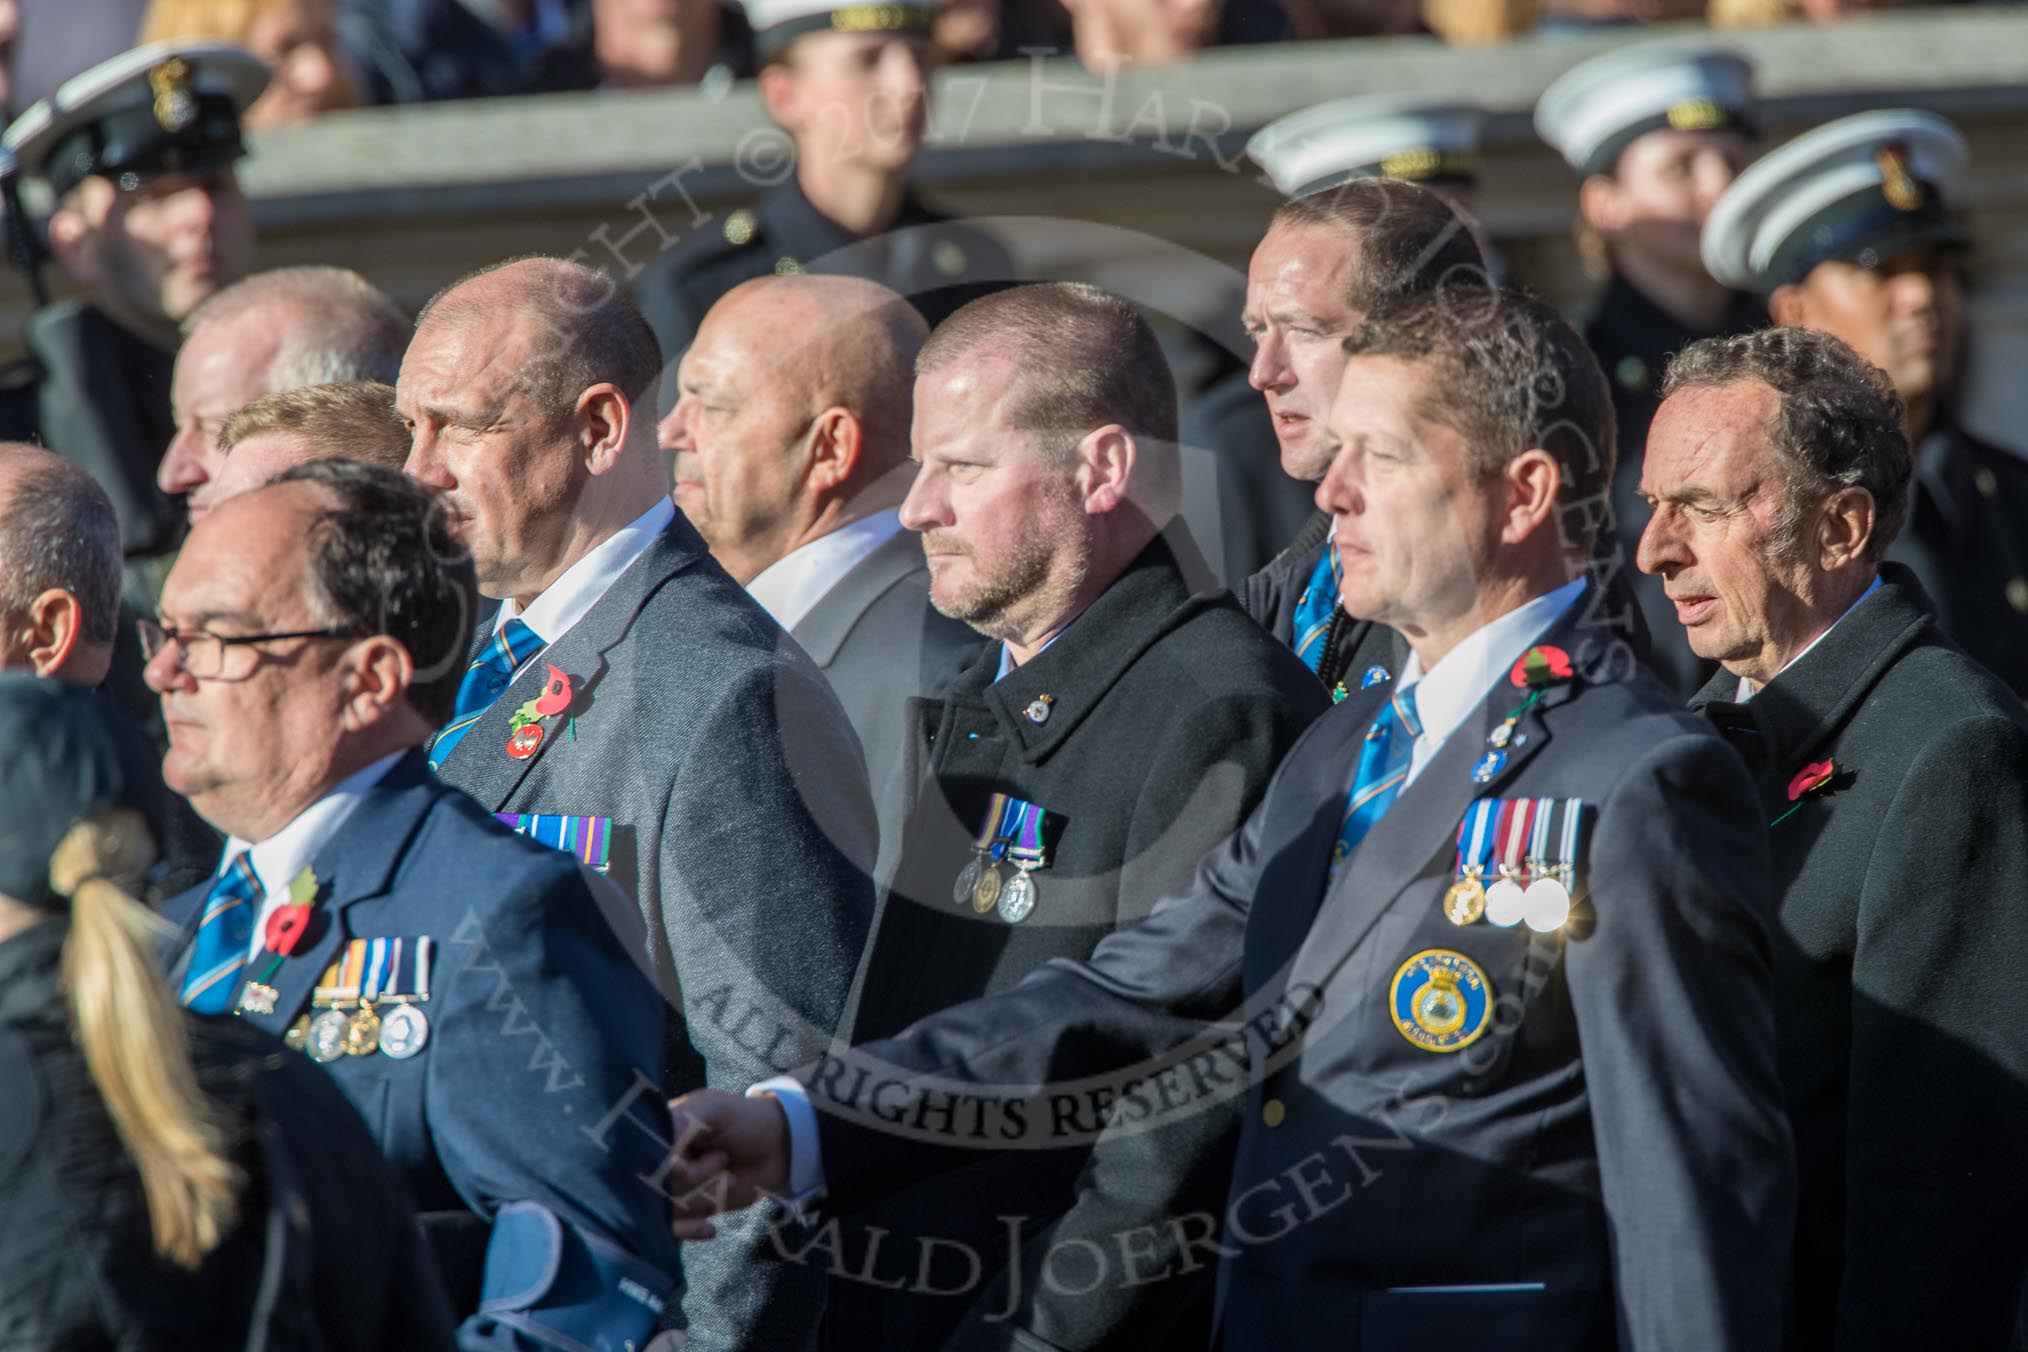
(1607, 1166)
(537, 1082)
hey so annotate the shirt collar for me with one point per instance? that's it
(1745, 690)
(790, 587)
(278, 859)
(570, 598)
(1460, 681)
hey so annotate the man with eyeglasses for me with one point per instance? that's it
(474, 993)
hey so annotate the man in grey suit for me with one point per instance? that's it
(790, 434)
(630, 702)
(1461, 1130)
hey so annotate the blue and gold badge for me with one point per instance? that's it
(1441, 1001)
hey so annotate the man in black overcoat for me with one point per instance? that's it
(1893, 771)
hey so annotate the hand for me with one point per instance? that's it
(731, 1151)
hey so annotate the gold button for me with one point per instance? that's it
(1989, 487)
(739, 227)
(1272, 1112)
(787, 267)
(2017, 594)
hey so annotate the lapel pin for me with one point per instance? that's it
(1037, 711)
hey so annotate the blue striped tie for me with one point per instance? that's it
(1314, 609)
(1383, 765)
(484, 681)
(220, 951)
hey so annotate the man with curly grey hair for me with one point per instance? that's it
(1893, 770)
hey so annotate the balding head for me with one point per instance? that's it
(59, 567)
(793, 416)
(277, 330)
(520, 388)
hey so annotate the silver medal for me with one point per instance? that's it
(1504, 903)
(968, 878)
(1545, 905)
(326, 1041)
(403, 1031)
(1018, 898)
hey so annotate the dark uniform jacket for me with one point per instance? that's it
(322, 1218)
(1605, 1166)
(507, 1124)
(880, 643)
(932, 261)
(102, 402)
(1965, 541)
(1901, 1005)
(1147, 731)
(1633, 340)
(741, 825)
(1359, 653)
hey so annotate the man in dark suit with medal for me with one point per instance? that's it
(849, 84)
(1539, 1121)
(1122, 720)
(631, 702)
(1894, 772)
(1848, 229)
(478, 997)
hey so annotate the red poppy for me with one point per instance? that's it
(526, 738)
(286, 928)
(556, 696)
(1541, 665)
(1811, 777)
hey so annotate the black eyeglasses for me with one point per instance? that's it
(204, 651)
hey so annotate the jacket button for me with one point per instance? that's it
(1272, 1112)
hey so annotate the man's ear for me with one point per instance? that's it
(604, 416)
(1533, 480)
(836, 440)
(54, 628)
(778, 95)
(71, 236)
(1105, 468)
(1601, 204)
(379, 672)
(1789, 307)
(1844, 527)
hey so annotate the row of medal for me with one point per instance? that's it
(1527, 848)
(369, 1001)
(1010, 834)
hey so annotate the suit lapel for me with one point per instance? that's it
(356, 864)
(823, 631)
(480, 763)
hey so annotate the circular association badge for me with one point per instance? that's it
(1441, 1001)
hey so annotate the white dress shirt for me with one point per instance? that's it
(277, 860)
(791, 586)
(1746, 690)
(1444, 698)
(570, 598)
(1463, 677)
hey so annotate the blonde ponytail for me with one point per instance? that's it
(131, 1031)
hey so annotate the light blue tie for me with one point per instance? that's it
(489, 675)
(1383, 765)
(1314, 609)
(220, 951)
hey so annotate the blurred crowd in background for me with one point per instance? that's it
(332, 54)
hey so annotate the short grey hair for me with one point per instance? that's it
(1838, 424)
(58, 529)
(340, 327)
